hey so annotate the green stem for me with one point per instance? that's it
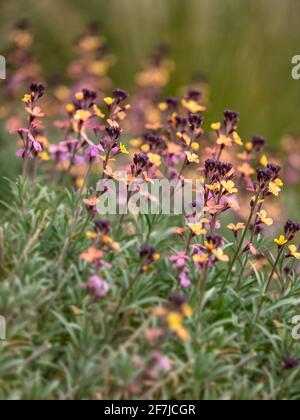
(237, 253)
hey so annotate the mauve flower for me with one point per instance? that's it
(97, 287)
(180, 260)
(92, 153)
(162, 363)
(184, 281)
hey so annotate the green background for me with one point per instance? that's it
(243, 48)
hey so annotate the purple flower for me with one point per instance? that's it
(97, 287)
(290, 363)
(92, 153)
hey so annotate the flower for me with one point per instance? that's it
(258, 143)
(274, 189)
(264, 218)
(229, 186)
(192, 106)
(192, 157)
(216, 126)
(109, 101)
(294, 252)
(237, 227)
(224, 141)
(92, 153)
(290, 363)
(123, 149)
(197, 229)
(97, 286)
(219, 254)
(82, 115)
(179, 259)
(155, 159)
(91, 255)
(281, 241)
(174, 320)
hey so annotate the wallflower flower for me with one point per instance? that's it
(155, 159)
(229, 186)
(197, 229)
(192, 157)
(91, 255)
(281, 241)
(97, 287)
(236, 228)
(264, 218)
(294, 252)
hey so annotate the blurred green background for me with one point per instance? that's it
(243, 48)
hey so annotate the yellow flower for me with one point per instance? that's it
(237, 139)
(163, 106)
(92, 235)
(209, 245)
(192, 106)
(219, 254)
(123, 149)
(98, 112)
(249, 146)
(174, 320)
(70, 108)
(82, 115)
(237, 227)
(44, 156)
(197, 229)
(229, 186)
(264, 218)
(154, 159)
(109, 101)
(264, 161)
(27, 98)
(224, 141)
(278, 182)
(213, 187)
(135, 142)
(215, 126)
(192, 157)
(274, 189)
(200, 258)
(281, 241)
(195, 146)
(79, 96)
(145, 148)
(294, 252)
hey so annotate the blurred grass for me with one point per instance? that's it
(244, 49)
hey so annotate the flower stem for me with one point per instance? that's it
(240, 245)
(268, 285)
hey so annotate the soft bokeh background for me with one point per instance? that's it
(243, 49)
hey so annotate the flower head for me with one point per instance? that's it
(97, 287)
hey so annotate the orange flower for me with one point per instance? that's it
(91, 255)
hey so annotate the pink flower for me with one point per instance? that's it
(184, 281)
(180, 260)
(97, 287)
(162, 363)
